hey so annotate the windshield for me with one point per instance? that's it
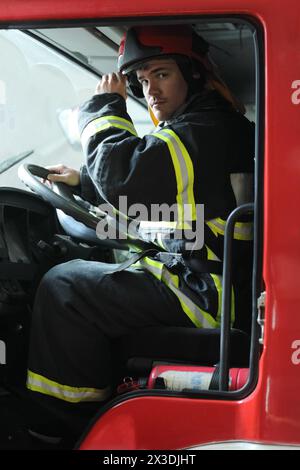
(40, 91)
(47, 73)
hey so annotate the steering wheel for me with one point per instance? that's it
(61, 196)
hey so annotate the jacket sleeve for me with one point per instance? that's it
(87, 188)
(119, 162)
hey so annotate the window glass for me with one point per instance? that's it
(40, 90)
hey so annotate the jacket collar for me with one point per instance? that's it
(209, 100)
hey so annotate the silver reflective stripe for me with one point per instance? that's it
(184, 172)
(159, 232)
(39, 383)
(156, 231)
(163, 226)
(99, 124)
(199, 317)
(159, 241)
(157, 225)
(242, 230)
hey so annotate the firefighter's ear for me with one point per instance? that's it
(135, 85)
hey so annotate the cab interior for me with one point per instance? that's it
(48, 73)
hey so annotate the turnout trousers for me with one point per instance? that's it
(80, 308)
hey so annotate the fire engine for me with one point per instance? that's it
(181, 389)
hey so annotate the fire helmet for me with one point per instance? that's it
(180, 42)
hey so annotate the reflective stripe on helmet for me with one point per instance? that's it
(102, 123)
(39, 383)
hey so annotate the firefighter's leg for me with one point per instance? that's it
(79, 308)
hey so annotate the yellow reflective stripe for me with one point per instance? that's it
(190, 171)
(212, 228)
(211, 256)
(177, 173)
(184, 172)
(39, 383)
(99, 124)
(154, 267)
(242, 230)
(217, 280)
(199, 317)
(132, 249)
(184, 225)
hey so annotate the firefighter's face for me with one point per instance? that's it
(163, 86)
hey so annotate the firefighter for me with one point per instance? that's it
(201, 140)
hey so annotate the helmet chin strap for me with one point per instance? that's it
(153, 118)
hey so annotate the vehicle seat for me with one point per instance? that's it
(137, 353)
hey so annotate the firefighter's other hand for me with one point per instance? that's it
(63, 174)
(112, 83)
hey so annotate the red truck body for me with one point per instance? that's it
(271, 411)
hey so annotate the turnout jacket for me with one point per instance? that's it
(184, 163)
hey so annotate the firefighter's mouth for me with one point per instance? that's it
(158, 104)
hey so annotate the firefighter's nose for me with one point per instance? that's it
(152, 89)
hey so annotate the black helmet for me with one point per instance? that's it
(179, 42)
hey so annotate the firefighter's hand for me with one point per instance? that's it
(63, 174)
(112, 83)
